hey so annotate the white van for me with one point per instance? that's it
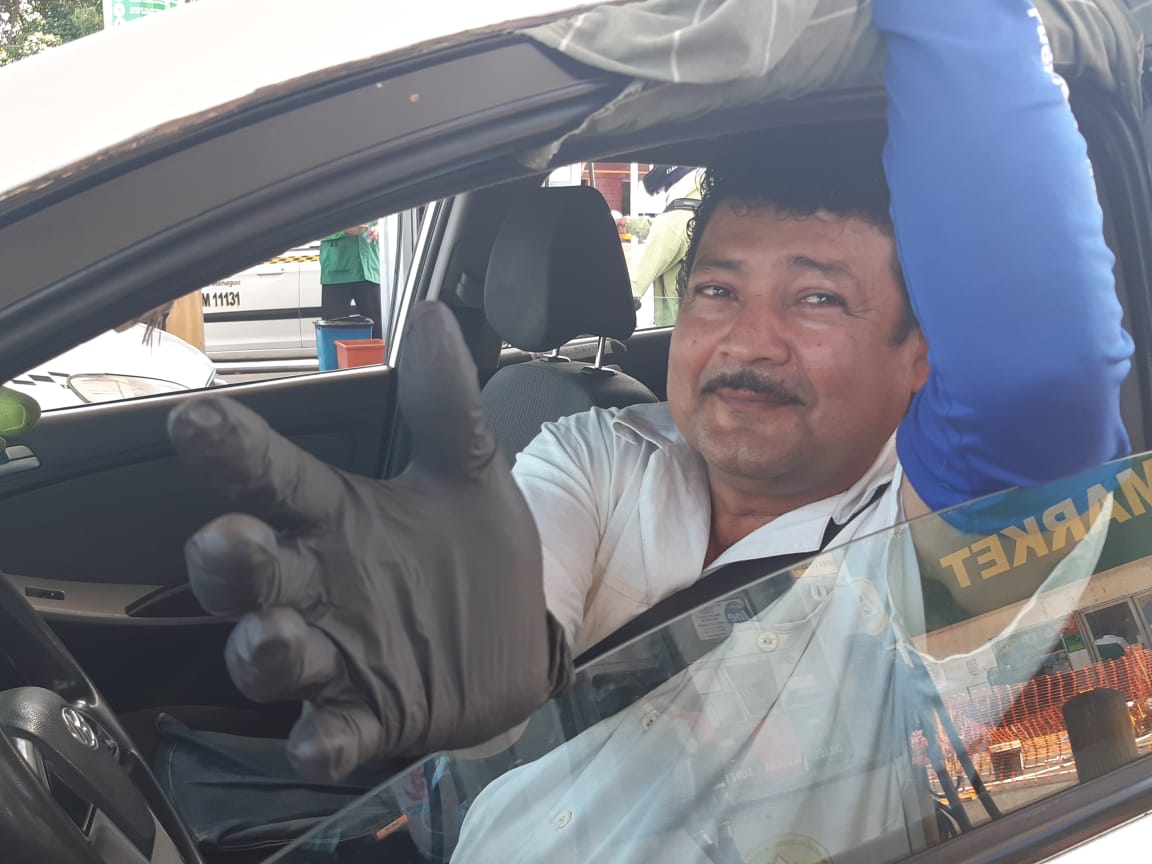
(267, 311)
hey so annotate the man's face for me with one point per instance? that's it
(783, 371)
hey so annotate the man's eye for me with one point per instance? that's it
(717, 291)
(822, 298)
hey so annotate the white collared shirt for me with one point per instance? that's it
(790, 732)
(793, 733)
(623, 507)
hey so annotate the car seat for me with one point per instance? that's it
(556, 272)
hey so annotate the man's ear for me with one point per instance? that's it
(920, 366)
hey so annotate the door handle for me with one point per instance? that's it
(17, 458)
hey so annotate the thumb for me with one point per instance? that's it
(440, 397)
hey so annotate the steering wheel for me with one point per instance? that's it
(75, 790)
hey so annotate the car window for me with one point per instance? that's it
(324, 305)
(926, 679)
(652, 205)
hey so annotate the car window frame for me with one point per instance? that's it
(1055, 824)
(486, 109)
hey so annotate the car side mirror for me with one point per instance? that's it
(18, 414)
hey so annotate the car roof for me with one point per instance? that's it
(212, 59)
(128, 83)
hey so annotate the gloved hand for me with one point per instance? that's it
(408, 614)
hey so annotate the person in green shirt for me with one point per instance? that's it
(667, 243)
(350, 271)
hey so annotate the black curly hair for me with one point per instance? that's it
(799, 175)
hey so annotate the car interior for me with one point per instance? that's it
(556, 271)
(537, 281)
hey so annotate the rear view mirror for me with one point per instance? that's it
(18, 414)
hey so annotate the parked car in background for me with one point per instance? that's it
(267, 311)
(117, 365)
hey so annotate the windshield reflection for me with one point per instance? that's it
(883, 697)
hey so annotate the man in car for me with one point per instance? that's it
(439, 609)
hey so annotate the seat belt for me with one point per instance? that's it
(741, 575)
(727, 580)
(683, 204)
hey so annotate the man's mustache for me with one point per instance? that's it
(753, 381)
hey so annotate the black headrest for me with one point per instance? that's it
(557, 271)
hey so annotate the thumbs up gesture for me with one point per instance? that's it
(409, 613)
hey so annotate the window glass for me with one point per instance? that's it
(879, 699)
(652, 205)
(323, 305)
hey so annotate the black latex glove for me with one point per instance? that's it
(408, 614)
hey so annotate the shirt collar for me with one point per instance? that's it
(649, 422)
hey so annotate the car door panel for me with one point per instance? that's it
(71, 530)
(95, 533)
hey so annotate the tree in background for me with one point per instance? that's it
(28, 27)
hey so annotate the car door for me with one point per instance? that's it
(738, 693)
(99, 504)
(103, 509)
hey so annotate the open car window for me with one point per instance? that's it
(304, 310)
(872, 702)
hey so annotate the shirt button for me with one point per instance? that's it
(562, 819)
(768, 641)
(649, 719)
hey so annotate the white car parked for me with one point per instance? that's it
(117, 365)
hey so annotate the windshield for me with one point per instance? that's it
(872, 702)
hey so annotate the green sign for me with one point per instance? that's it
(1074, 642)
(117, 12)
